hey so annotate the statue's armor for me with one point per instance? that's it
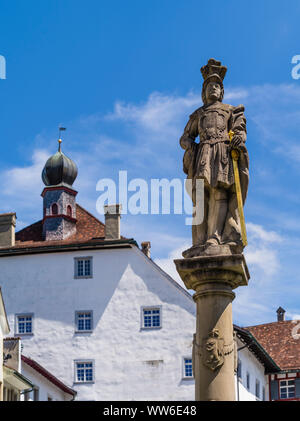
(213, 123)
(210, 159)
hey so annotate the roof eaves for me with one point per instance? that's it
(14, 373)
(89, 245)
(258, 349)
(36, 366)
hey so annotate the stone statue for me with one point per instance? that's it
(211, 160)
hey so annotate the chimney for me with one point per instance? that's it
(280, 314)
(146, 246)
(112, 221)
(7, 229)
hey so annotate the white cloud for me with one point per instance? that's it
(22, 186)
(261, 252)
(257, 232)
(160, 113)
(25, 179)
(263, 258)
(168, 264)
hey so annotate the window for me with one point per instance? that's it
(27, 396)
(54, 209)
(257, 389)
(188, 368)
(24, 324)
(263, 393)
(83, 267)
(84, 321)
(287, 389)
(248, 381)
(239, 369)
(69, 211)
(84, 371)
(36, 394)
(151, 318)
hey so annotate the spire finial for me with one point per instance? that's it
(60, 129)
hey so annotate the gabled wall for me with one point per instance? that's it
(256, 370)
(130, 363)
(46, 388)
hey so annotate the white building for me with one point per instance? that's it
(121, 332)
(4, 330)
(26, 380)
(47, 387)
(254, 365)
(90, 306)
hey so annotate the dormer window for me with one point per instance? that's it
(54, 209)
(69, 211)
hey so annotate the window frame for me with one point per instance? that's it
(36, 394)
(84, 258)
(69, 211)
(184, 376)
(257, 389)
(56, 209)
(77, 313)
(239, 370)
(17, 316)
(147, 308)
(287, 387)
(248, 380)
(84, 361)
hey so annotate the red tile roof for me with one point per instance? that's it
(48, 375)
(278, 340)
(87, 228)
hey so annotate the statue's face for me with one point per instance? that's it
(213, 91)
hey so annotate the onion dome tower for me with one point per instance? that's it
(59, 203)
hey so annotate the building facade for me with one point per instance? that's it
(46, 387)
(254, 365)
(281, 339)
(4, 330)
(94, 309)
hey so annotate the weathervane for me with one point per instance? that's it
(60, 129)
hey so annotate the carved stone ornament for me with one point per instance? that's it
(214, 350)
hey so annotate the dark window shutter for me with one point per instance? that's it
(274, 390)
(297, 384)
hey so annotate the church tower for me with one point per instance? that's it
(59, 203)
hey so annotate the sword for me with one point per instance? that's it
(235, 157)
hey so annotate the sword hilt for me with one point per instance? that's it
(230, 134)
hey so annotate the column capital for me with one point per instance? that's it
(213, 274)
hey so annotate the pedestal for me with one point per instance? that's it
(213, 278)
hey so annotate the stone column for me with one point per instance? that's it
(213, 278)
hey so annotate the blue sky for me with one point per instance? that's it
(123, 78)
